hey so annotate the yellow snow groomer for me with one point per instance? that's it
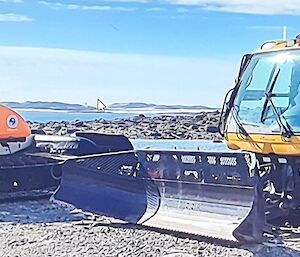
(247, 192)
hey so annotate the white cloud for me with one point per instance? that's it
(156, 9)
(265, 7)
(262, 7)
(77, 76)
(79, 7)
(125, 1)
(13, 17)
(184, 10)
(11, 1)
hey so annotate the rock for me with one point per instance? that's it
(71, 130)
(140, 126)
(139, 118)
(193, 127)
(79, 124)
(155, 134)
(200, 116)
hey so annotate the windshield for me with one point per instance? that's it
(268, 96)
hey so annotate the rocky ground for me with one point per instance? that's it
(142, 127)
(39, 228)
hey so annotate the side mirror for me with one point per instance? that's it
(212, 129)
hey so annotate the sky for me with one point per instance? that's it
(154, 51)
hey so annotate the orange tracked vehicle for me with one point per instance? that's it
(15, 133)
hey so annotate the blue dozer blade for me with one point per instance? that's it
(192, 192)
(104, 184)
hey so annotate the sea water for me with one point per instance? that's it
(179, 144)
(45, 116)
(54, 115)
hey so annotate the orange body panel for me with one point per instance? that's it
(12, 125)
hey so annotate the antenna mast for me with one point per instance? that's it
(284, 33)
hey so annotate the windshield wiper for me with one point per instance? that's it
(269, 95)
(287, 131)
(238, 122)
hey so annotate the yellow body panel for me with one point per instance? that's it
(280, 45)
(265, 144)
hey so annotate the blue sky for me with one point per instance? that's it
(167, 52)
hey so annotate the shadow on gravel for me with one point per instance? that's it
(258, 250)
(31, 212)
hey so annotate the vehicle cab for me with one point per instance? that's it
(263, 111)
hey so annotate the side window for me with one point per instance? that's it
(253, 91)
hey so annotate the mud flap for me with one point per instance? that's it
(112, 143)
(83, 143)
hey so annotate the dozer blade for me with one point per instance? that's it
(105, 184)
(209, 194)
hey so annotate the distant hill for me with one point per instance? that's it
(130, 105)
(49, 106)
(59, 106)
(157, 106)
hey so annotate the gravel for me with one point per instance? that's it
(40, 228)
